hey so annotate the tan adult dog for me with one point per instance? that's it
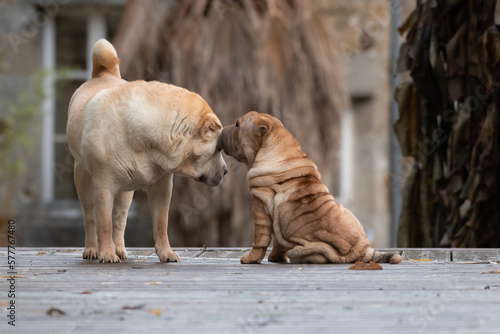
(290, 202)
(126, 136)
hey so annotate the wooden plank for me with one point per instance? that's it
(427, 255)
(224, 254)
(475, 256)
(219, 295)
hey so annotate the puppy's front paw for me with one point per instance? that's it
(121, 252)
(249, 259)
(90, 253)
(167, 255)
(108, 257)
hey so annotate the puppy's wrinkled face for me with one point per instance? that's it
(243, 139)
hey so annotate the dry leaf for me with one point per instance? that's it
(365, 266)
(420, 260)
(136, 307)
(42, 253)
(155, 311)
(153, 283)
(15, 276)
(166, 274)
(86, 293)
(491, 272)
(55, 311)
(140, 261)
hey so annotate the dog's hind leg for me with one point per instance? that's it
(104, 195)
(121, 206)
(83, 185)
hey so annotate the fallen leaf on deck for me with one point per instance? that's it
(153, 283)
(491, 272)
(166, 274)
(155, 311)
(42, 253)
(15, 276)
(55, 311)
(420, 260)
(136, 307)
(140, 261)
(4, 303)
(86, 293)
(366, 266)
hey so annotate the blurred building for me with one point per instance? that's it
(52, 34)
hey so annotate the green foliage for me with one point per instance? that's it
(19, 122)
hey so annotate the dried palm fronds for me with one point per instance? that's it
(449, 123)
(266, 55)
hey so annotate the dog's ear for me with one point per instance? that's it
(210, 125)
(261, 124)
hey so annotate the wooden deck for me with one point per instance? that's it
(209, 291)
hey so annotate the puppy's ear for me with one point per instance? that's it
(209, 126)
(261, 124)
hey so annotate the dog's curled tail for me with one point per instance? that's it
(380, 257)
(104, 59)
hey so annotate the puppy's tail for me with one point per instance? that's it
(104, 59)
(376, 256)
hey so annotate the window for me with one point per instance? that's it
(67, 43)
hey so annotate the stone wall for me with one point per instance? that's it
(363, 30)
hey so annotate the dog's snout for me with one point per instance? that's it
(225, 138)
(225, 170)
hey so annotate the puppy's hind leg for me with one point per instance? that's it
(310, 259)
(83, 185)
(121, 206)
(278, 253)
(315, 252)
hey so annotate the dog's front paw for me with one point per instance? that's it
(90, 253)
(249, 259)
(108, 257)
(167, 255)
(121, 252)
